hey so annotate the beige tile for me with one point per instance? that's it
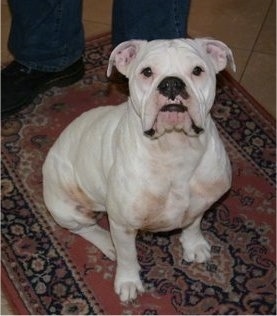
(266, 42)
(98, 11)
(5, 29)
(259, 80)
(5, 15)
(6, 56)
(97, 17)
(241, 57)
(94, 28)
(236, 22)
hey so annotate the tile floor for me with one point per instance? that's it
(247, 26)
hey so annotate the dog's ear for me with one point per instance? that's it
(220, 53)
(123, 55)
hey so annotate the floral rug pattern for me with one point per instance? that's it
(48, 270)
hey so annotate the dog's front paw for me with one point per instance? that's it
(196, 250)
(128, 288)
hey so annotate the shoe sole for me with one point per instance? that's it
(56, 82)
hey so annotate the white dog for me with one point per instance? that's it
(154, 163)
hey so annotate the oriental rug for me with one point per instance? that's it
(48, 270)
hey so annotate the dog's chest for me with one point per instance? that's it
(164, 203)
(161, 212)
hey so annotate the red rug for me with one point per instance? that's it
(48, 270)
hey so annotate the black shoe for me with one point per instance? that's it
(20, 85)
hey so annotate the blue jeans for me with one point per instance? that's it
(48, 35)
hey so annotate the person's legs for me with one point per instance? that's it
(47, 41)
(46, 35)
(149, 19)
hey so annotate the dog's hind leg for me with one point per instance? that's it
(71, 207)
(79, 218)
(100, 237)
(84, 226)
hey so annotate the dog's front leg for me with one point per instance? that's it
(195, 246)
(127, 280)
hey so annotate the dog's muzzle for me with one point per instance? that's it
(174, 91)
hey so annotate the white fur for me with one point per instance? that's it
(103, 161)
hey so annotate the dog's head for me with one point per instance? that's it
(171, 82)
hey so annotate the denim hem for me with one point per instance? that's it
(63, 64)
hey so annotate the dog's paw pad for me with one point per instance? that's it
(200, 252)
(128, 291)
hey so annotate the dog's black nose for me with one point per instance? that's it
(171, 87)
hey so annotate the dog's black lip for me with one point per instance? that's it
(174, 107)
(151, 132)
(198, 130)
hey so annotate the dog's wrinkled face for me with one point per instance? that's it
(171, 82)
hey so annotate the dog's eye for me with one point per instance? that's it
(147, 72)
(197, 71)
